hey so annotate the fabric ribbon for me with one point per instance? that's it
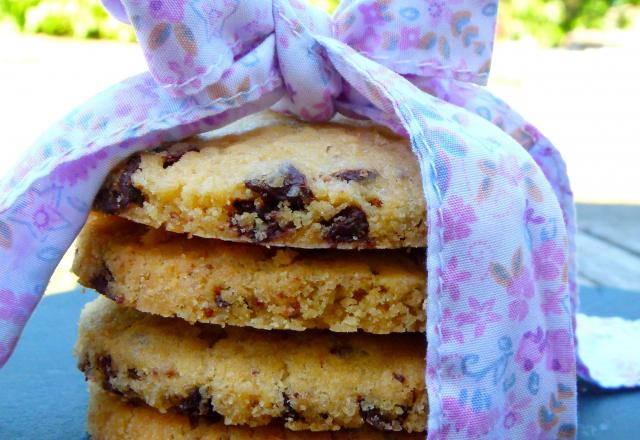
(501, 267)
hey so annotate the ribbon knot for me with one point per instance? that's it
(209, 49)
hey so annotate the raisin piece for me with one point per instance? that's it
(289, 414)
(175, 152)
(373, 416)
(286, 185)
(348, 225)
(118, 192)
(356, 175)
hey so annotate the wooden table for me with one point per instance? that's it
(608, 244)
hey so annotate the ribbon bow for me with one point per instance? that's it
(501, 359)
(208, 49)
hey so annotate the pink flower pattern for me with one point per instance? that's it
(371, 13)
(16, 308)
(451, 278)
(480, 315)
(456, 219)
(409, 38)
(169, 10)
(475, 424)
(548, 260)
(552, 301)
(522, 288)
(531, 349)
(449, 329)
(514, 408)
(560, 352)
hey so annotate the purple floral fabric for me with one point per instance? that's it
(500, 260)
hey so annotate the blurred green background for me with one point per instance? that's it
(548, 22)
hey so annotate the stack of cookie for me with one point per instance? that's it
(263, 281)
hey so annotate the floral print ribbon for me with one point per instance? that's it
(501, 267)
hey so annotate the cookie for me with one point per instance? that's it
(285, 183)
(206, 280)
(315, 380)
(111, 418)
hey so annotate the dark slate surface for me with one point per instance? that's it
(43, 396)
(605, 414)
(42, 393)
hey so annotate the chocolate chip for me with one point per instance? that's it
(288, 184)
(373, 416)
(195, 406)
(118, 192)
(175, 152)
(211, 334)
(106, 367)
(399, 377)
(191, 403)
(289, 414)
(100, 282)
(213, 416)
(132, 373)
(242, 206)
(356, 175)
(348, 225)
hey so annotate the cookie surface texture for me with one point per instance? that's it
(279, 182)
(111, 418)
(206, 280)
(312, 380)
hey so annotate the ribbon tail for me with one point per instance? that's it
(548, 157)
(48, 197)
(442, 136)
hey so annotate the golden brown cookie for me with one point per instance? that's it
(240, 284)
(285, 183)
(111, 418)
(314, 380)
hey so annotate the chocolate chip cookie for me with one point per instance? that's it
(333, 185)
(112, 418)
(314, 380)
(240, 284)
